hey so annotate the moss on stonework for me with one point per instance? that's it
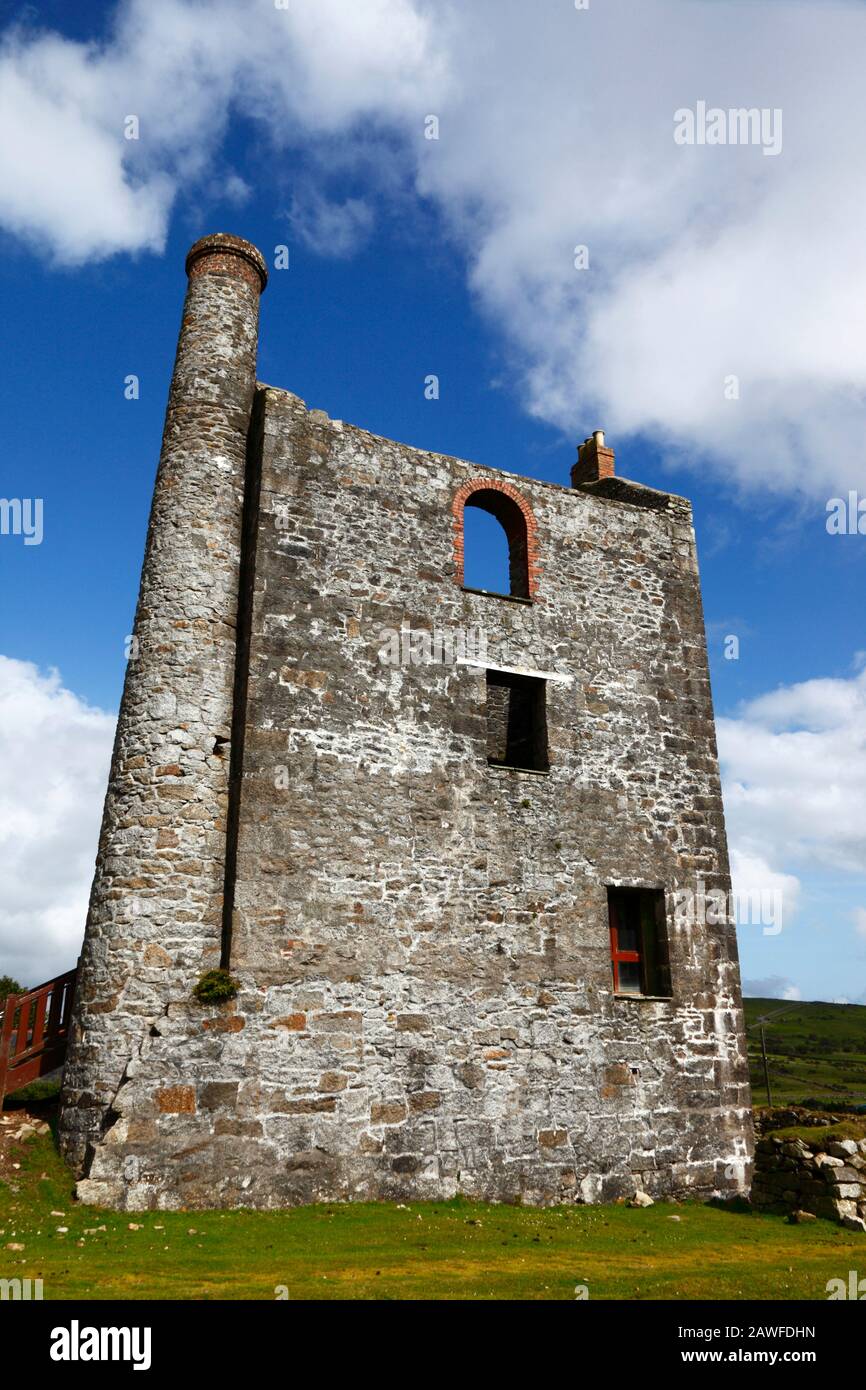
(215, 987)
(817, 1138)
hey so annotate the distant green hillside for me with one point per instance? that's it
(815, 1051)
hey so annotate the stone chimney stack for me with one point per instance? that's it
(155, 914)
(594, 461)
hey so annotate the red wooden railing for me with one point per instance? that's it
(34, 1028)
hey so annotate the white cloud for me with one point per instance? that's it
(62, 180)
(765, 897)
(72, 183)
(55, 752)
(794, 773)
(704, 262)
(330, 228)
(771, 987)
(236, 190)
(556, 130)
(794, 779)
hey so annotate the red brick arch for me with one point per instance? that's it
(515, 516)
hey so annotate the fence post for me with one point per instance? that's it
(766, 1067)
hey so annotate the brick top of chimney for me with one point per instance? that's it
(594, 461)
(224, 254)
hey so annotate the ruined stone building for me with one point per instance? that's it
(444, 883)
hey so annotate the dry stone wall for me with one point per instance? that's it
(819, 1175)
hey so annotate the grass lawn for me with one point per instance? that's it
(443, 1250)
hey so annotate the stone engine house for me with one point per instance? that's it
(443, 869)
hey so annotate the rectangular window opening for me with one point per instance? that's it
(517, 721)
(639, 942)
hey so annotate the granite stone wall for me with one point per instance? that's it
(812, 1175)
(421, 939)
(156, 905)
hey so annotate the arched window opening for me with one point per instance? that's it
(504, 566)
(486, 552)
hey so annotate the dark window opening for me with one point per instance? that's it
(482, 561)
(638, 941)
(517, 721)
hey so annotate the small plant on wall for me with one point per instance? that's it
(215, 987)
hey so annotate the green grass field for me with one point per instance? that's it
(450, 1250)
(815, 1051)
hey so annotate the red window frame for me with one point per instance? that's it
(644, 909)
(616, 955)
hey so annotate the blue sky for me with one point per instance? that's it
(409, 258)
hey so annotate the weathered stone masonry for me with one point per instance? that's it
(421, 939)
(820, 1175)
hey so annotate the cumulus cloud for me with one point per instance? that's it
(71, 180)
(794, 773)
(793, 767)
(704, 262)
(55, 751)
(765, 897)
(556, 130)
(771, 987)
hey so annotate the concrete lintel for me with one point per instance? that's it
(517, 671)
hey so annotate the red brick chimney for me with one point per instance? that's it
(594, 461)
